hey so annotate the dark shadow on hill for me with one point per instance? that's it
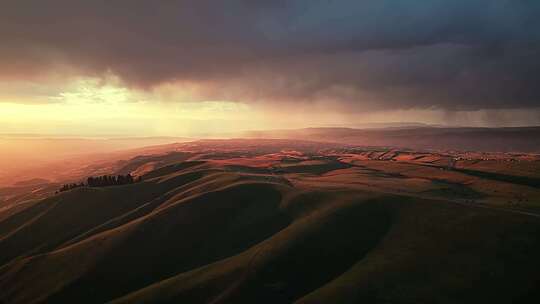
(315, 169)
(341, 239)
(185, 236)
(379, 173)
(163, 160)
(519, 180)
(451, 190)
(171, 169)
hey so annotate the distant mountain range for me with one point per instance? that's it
(516, 139)
(381, 125)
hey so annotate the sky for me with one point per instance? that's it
(185, 68)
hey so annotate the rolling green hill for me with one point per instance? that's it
(314, 231)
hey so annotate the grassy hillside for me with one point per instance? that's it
(282, 227)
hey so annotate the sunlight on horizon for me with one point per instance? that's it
(89, 107)
(105, 107)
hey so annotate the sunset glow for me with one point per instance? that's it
(269, 151)
(93, 70)
(105, 107)
(87, 108)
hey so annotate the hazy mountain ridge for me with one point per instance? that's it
(516, 139)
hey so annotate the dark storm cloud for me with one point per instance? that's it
(460, 54)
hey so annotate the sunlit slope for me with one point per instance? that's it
(310, 231)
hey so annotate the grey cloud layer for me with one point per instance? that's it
(459, 54)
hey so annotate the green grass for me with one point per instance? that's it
(197, 233)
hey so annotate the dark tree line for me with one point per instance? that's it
(67, 187)
(103, 181)
(110, 180)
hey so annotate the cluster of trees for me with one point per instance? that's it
(103, 181)
(110, 180)
(67, 187)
